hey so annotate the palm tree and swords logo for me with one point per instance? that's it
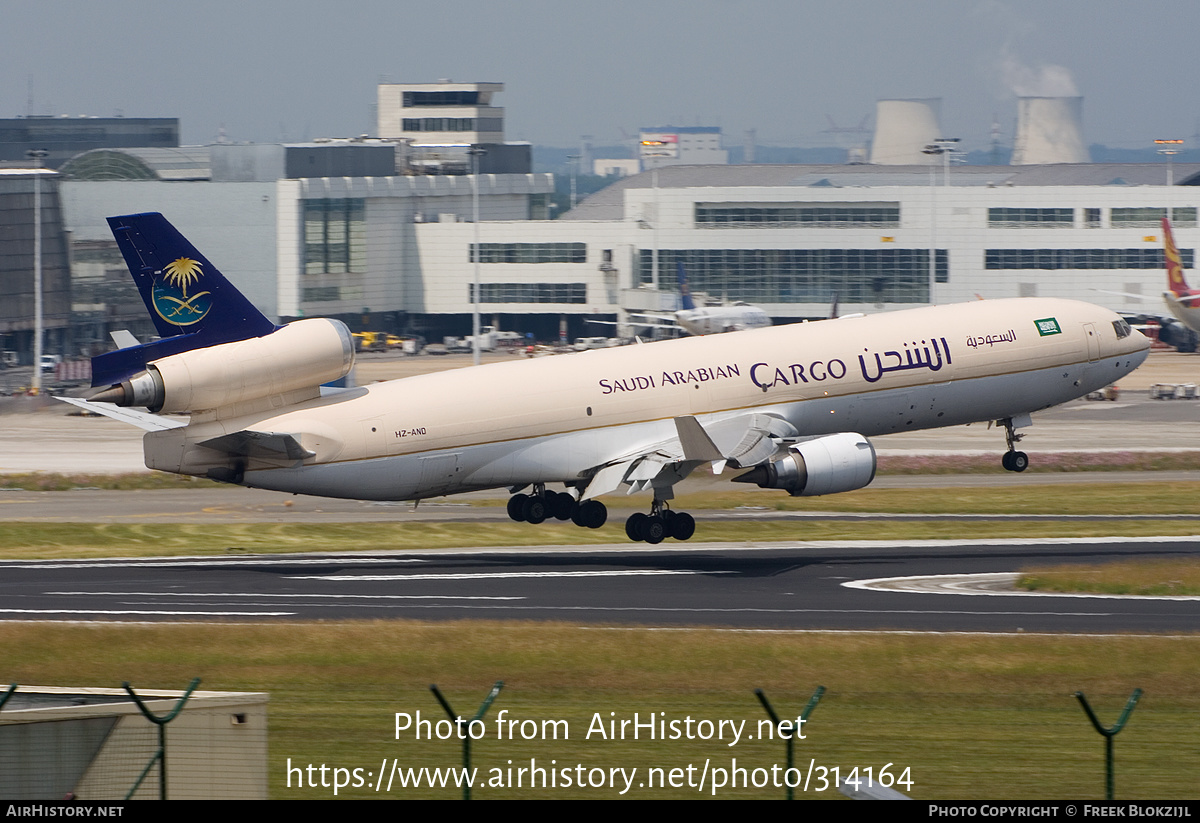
(170, 292)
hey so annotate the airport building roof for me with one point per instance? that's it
(608, 203)
(182, 163)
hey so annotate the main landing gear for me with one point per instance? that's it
(661, 523)
(1013, 460)
(542, 505)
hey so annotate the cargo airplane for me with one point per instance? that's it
(791, 406)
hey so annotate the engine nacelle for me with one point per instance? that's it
(825, 465)
(301, 355)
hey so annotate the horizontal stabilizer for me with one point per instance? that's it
(143, 420)
(272, 445)
(124, 339)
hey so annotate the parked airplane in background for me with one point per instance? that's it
(698, 321)
(793, 405)
(1182, 301)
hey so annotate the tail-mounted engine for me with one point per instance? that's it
(824, 465)
(301, 355)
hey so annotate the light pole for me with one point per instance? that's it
(654, 228)
(1171, 149)
(475, 153)
(573, 159)
(37, 156)
(1170, 152)
(943, 146)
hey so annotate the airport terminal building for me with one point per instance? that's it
(397, 251)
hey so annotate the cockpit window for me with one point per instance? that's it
(1122, 329)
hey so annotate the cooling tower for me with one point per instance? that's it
(902, 129)
(1049, 130)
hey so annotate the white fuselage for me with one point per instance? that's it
(719, 319)
(1185, 311)
(560, 419)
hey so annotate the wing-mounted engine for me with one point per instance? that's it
(301, 355)
(824, 465)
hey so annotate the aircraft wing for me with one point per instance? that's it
(143, 420)
(742, 441)
(1128, 294)
(654, 319)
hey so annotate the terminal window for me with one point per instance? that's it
(1048, 259)
(530, 292)
(1020, 218)
(802, 275)
(334, 235)
(1151, 218)
(531, 253)
(798, 215)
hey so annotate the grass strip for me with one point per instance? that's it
(1058, 499)
(128, 481)
(888, 464)
(973, 717)
(1152, 577)
(22, 540)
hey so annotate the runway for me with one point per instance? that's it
(783, 586)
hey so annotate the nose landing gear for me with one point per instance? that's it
(1013, 460)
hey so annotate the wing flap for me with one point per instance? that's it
(744, 440)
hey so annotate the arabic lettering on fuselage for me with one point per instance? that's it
(637, 382)
(928, 356)
(1009, 336)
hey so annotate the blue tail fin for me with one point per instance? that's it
(191, 303)
(685, 293)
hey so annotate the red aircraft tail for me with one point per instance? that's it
(1175, 281)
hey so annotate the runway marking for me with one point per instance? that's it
(750, 610)
(147, 612)
(248, 560)
(422, 555)
(975, 585)
(504, 575)
(296, 596)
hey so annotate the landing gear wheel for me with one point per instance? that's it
(561, 504)
(635, 526)
(1013, 460)
(683, 526)
(591, 513)
(656, 529)
(516, 507)
(535, 509)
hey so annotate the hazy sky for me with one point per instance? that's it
(270, 71)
